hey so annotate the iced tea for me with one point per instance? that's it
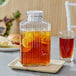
(35, 48)
(66, 47)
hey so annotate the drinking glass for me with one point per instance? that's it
(66, 45)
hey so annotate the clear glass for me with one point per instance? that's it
(35, 41)
(66, 45)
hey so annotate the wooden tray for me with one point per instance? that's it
(54, 67)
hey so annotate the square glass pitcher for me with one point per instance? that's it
(35, 40)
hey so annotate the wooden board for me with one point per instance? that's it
(54, 67)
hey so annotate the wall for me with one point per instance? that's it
(54, 12)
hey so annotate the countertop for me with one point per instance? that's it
(69, 68)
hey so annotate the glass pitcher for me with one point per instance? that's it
(35, 39)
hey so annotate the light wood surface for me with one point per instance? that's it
(54, 67)
(54, 12)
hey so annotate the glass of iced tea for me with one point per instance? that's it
(66, 45)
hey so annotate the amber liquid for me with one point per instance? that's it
(35, 48)
(66, 47)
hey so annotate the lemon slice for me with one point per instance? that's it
(27, 45)
(27, 39)
(45, 37)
